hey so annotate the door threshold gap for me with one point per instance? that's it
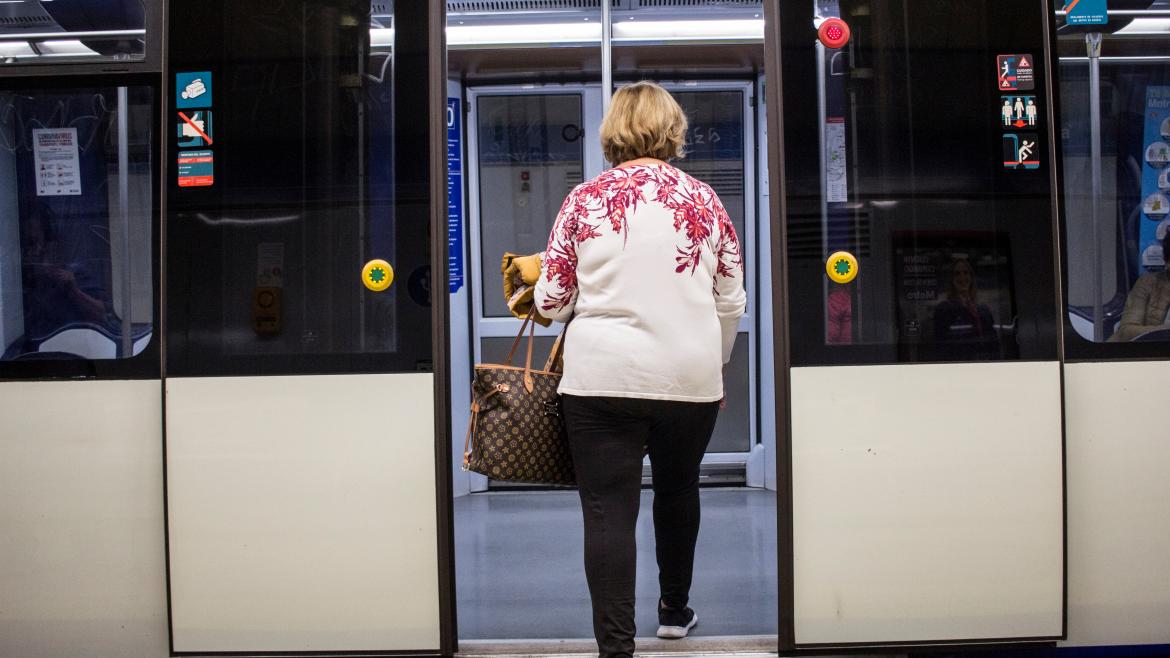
(744, 646)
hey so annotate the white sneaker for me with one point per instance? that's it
(675, 624)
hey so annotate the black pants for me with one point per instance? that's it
(608, 437)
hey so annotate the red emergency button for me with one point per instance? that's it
(833, 33)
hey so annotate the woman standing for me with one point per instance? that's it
(646, 262)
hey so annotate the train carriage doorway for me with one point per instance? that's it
(528, 146)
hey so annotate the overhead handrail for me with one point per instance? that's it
(71, 36)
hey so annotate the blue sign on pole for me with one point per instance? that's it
(454, 195)
(1086, 12)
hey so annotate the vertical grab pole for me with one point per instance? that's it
(1093, 45)
(606, 55)
(124, 216)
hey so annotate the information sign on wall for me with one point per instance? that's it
(58, 170)
(454, 196)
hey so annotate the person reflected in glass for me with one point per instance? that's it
(839, 330)
(645, 261)
(1147, 307)
(961, 323)
(56, 293)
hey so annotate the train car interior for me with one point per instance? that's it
(525, 92)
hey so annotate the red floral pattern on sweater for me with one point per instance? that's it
(603, 205)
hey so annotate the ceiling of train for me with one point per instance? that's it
(40, 29)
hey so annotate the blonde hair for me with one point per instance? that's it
(643, 121)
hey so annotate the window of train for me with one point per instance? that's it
(72, 31)
(897, 162)
(76, 223)
(297, 164)
(1116, 173)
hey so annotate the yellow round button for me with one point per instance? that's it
(377, 275)
(841, 267)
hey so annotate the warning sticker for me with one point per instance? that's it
(196, 169)
(1021, 151)
(1015, 72)
(1018, 112)
(194, 129)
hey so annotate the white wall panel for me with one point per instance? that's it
(81, 519)
(927, 502)
(1118, 451)
(302, 513)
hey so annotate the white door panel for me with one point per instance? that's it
(302, 513)
(927, 502)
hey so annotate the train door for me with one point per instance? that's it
(922, 474)
(528, 133)
(302, 409)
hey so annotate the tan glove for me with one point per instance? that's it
(520, 276)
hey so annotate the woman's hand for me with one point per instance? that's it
(520, 276)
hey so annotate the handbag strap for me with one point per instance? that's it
(554, 355)
(529, 382)
(516, 343)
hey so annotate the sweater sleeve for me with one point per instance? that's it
(556, 290)
(730, 297)
(1133, 318)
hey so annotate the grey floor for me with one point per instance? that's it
(520, 575)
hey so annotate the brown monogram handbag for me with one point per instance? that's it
(516, 433)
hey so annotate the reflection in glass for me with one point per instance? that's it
(64, 31)
(951, 240)
(267, 260)
(1118, 285)
(76, 213)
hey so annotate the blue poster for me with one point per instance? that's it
(1155, 178)
(1086, 12)
(454, 195)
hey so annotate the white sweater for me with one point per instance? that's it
(646, 262)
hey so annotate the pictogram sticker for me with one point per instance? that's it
(1018, 112)
(1021, 151)
(1015, 72)
(193, 89)
(194, 129)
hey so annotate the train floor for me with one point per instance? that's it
(520, 574)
